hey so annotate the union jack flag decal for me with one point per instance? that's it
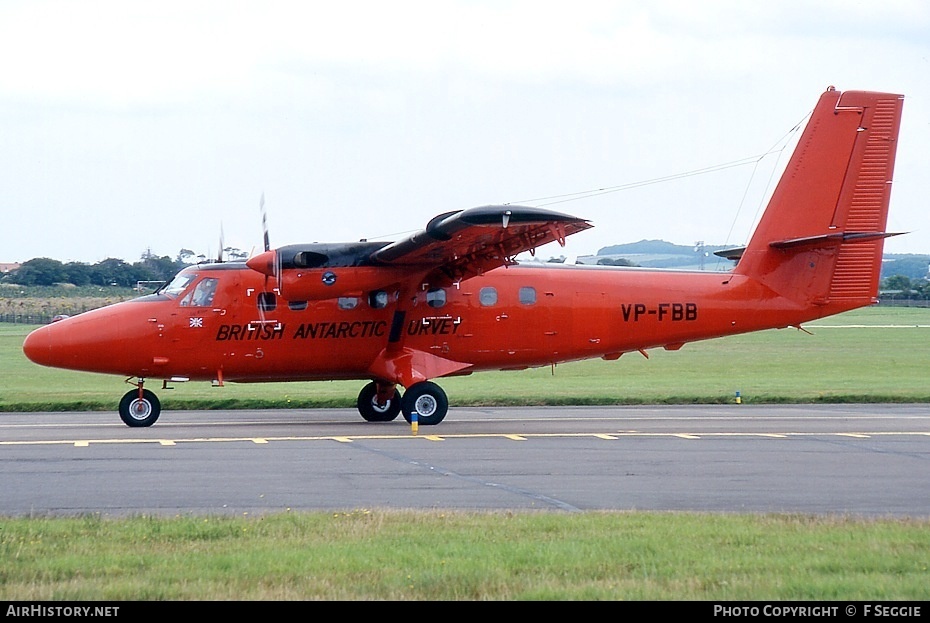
(197, 322)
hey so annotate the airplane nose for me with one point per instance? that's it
(94, 341)
(38, 346)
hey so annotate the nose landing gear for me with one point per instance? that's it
(139, 407)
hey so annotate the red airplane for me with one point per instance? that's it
(451, 299)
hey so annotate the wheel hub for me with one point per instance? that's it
(140, 409)
(425, 405)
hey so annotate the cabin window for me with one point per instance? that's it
(487, 296)
(348, 302)
(378, 299)
(267, 301)
(436, 297)
(297, 305)
(527, 295)
(202, 295)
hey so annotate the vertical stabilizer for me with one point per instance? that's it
(821, 237)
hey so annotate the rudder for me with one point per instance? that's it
(821, 237)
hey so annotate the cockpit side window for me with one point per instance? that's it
(203, 294)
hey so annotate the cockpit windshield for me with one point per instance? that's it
(177, 285)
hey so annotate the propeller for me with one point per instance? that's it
(261, 205)
(219, 255)
(269, 262)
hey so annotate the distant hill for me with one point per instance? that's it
(663, 254)
(658, 247)
(912, 265)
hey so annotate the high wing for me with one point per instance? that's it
(453, 247)
(465, 243)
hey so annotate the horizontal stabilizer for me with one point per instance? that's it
(827, 240)
(731, 254)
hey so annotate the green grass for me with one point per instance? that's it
(876, 364)
(405, 555)
(435, 555)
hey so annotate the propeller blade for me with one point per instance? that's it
(219, 255)
(261, 204)
(278, 270)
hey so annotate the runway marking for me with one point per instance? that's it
(867, 326)
(612, 436)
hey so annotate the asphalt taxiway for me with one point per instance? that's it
(864, 460)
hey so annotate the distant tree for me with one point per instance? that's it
(922, 288)
(152, 268)
(78, 273)
(113, 272)
(40, 271)
(898, 283)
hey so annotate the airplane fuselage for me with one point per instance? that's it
(509, 318)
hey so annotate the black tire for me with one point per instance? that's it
(370, 410)
(428, 400)
(138, 413)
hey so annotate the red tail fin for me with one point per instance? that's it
(820, 239)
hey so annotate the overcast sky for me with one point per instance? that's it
(134, 126)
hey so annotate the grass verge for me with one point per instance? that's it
(398, 555)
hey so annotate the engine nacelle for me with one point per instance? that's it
(316, 272)
(317, 284)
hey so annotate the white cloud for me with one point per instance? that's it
(147, 124)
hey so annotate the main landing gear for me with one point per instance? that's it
(382, 402)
